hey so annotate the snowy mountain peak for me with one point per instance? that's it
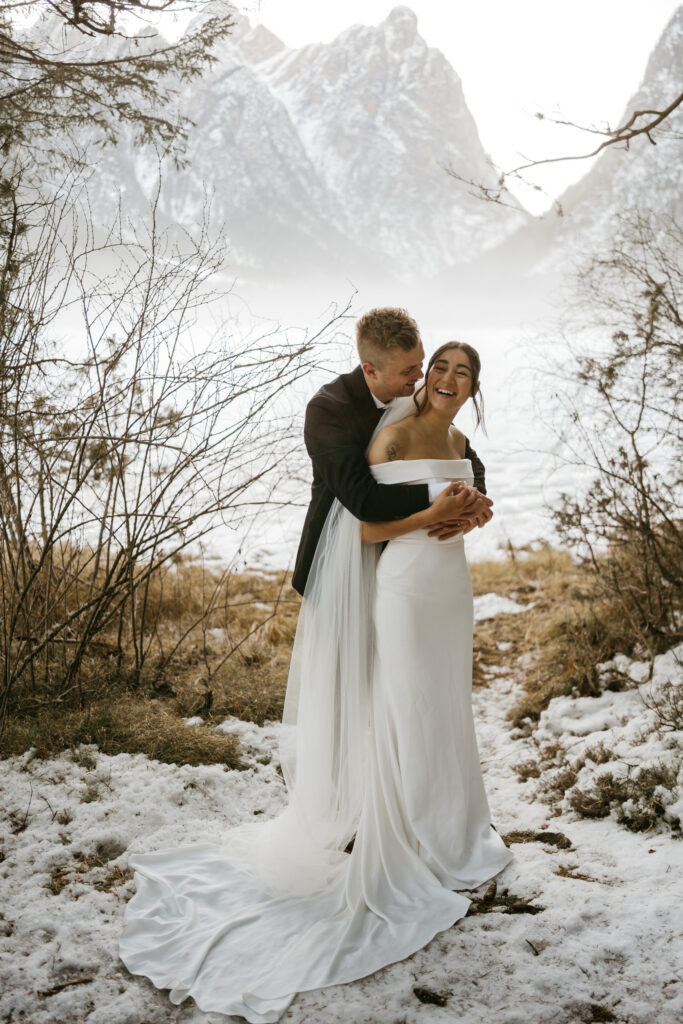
(401, 28)
(260, 44)
(662, 75)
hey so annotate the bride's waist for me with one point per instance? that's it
(422, 537)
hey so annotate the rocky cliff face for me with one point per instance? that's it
(651, 170)
(331, 156)
(380, 115)
(648, 176)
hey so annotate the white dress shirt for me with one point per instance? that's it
(380, 405)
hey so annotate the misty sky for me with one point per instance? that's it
(580, 60)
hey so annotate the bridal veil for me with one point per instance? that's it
(326, 717)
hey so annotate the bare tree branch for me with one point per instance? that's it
(640, 122)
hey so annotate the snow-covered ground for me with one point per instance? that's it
(602, 942)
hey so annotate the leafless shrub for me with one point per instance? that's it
(131, 424)
(639, 798)
(666, 701)
(639, 795)
(621, 395)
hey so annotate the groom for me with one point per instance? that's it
(340, 420)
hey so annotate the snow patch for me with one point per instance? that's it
(487, 606)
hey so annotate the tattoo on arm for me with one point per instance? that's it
(392, 451)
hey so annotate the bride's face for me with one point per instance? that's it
(449, 382)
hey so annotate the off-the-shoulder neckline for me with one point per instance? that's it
(393, 462)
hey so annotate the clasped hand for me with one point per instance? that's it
(458, 509)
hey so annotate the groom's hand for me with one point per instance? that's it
(450, 528)
(459, 508)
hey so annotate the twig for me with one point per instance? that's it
(65, 984)
(49, 805)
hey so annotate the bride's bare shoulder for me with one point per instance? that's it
(390, 444)
(458, 442)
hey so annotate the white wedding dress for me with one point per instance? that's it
(279, 908)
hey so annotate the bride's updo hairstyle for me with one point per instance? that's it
(420, 396)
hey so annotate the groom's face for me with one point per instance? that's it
(396, 374)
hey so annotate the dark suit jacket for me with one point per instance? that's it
(340, 419)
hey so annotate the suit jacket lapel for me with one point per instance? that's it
(368, 413)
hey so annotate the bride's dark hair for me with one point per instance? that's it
(420, 396)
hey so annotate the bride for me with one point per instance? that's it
(377, 741)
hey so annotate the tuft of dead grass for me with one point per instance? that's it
(131, 723)
(93, 869)
(636, 798)
(529, 769)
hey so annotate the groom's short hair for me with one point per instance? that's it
(380, 330)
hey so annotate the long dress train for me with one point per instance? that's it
(202, 923)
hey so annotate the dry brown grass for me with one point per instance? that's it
(123, 722)
(235, 602)
(640, 796)
(538, 577)
(636, 797)
(218, 646)
(234, 659)
(257, 619)
(92, 869)
(571, 629)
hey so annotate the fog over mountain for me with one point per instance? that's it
(330, 156)
(328, 162)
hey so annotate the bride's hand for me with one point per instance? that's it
(458, 505)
